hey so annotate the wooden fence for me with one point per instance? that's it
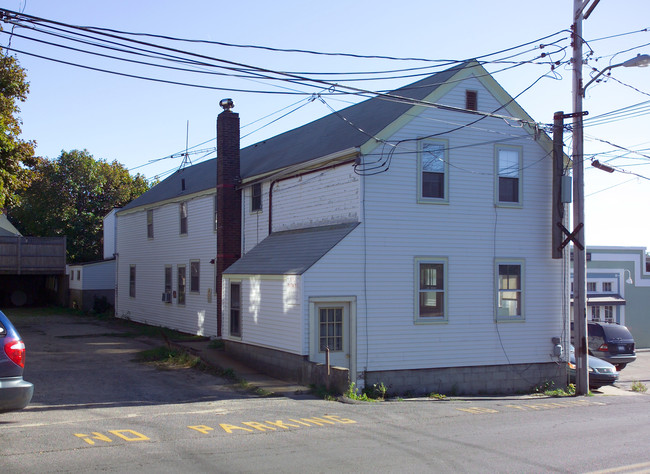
(32, 255)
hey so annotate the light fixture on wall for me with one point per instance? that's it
(629, 280)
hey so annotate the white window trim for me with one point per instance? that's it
(416, 284)
(520, 178)
(226, 308)
(510, 261)
(432, 200)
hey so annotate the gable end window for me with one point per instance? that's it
(431, 289)
(508, 167)
(150, 224)
(510, 291)
(433, 171)
(183, 218)
(471, 100)
(256, 197)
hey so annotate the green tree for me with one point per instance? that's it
(14, 152)
(70, 196)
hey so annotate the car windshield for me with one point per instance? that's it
(616, 332)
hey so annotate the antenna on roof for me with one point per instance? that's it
(186, 155)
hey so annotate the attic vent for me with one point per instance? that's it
(183, 184)
(471, 100)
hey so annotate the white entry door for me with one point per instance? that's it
(330, 330)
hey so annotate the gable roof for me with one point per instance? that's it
(290, 252)
(322, 137)
(6, 228)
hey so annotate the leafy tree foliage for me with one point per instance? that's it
(14, 152)
(70, 196)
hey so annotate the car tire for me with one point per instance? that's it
(619, 367)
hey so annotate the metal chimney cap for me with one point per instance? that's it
(226, 104)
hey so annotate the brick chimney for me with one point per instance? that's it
(228, 197)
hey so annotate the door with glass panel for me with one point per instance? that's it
(332, 332)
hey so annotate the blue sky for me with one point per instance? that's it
(137, 122)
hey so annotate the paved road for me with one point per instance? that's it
(96, 410)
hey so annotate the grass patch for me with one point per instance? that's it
(217, 344)
(376, 393)
(548, 389)
(437, 396)
(639, 387)
(169, 358)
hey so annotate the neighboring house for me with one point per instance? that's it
(411, 242)
(618, 289)
(32, 269)
(7, 229)
(92, 284)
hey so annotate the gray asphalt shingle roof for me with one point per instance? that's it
(290, 252)
(319, 138)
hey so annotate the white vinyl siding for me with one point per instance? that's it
(470, 232)
(270, 312)
(198, 315)
(94, 276)
(323, 197)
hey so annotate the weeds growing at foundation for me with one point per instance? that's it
(639, 387)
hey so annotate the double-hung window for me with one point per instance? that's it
(183, 218)
(132, 281)
(609, 314)
(431, 289)
(195, 269)
(150, 223)
(510, 290)
(235, 309)
(167, 295)
(256, 197)
(508, 167)
(433, 171)
(181, 284)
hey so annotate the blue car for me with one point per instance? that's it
(600, 372)
(15, 393)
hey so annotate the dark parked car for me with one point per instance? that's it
(611, 342)
(600, 372)
(15, 393)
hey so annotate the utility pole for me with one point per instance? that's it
(579, 260)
